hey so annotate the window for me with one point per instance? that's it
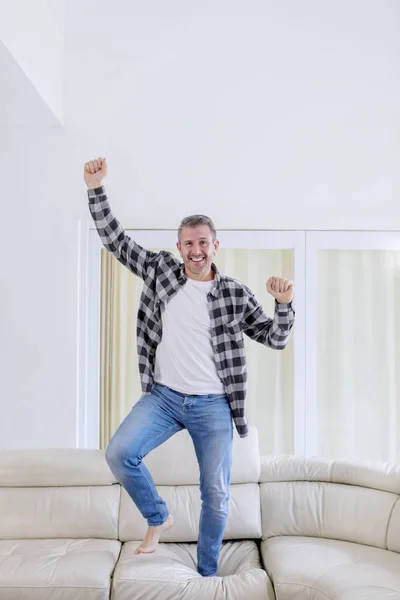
(334, 388)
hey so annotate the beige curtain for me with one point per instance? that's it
(119, 374)
(358, 354)
(270, 391)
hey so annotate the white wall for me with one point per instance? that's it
(33, 33)
(20, 102)
(262, 114)
(38, 290)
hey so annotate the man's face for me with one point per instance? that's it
(197, 248)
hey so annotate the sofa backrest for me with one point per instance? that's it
(175, 472)
(337, 499)
(57, 494)
(71, 493)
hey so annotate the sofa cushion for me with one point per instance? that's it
(244, 518)
(59, 512)
(171, 573)
(57, 569)
(321, 569)
(327, 510)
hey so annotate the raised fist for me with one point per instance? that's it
(281, 289)
(94, 172)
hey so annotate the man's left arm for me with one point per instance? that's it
(273, 333)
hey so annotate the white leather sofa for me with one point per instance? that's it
(298, 528)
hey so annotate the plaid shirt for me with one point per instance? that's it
(233, 309)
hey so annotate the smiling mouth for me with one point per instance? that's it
(197, 261)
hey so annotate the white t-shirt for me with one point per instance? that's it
(185, 357)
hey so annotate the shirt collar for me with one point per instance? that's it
(216, 281)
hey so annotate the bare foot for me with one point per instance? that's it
(152, 537)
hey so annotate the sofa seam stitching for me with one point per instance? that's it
(388, 523)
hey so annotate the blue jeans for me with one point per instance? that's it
(154, 419)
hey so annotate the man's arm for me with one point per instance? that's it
(273, 333)
(111, 232)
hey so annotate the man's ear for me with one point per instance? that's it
(216, 245)
(179, 246)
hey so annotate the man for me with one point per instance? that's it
(192, 364)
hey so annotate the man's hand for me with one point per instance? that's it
(94, 172)
(281, 289)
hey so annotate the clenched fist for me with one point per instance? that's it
(281, 289)
(94, 172)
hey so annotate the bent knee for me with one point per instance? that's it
(118, 455)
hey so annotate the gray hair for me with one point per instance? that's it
(195, 221)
